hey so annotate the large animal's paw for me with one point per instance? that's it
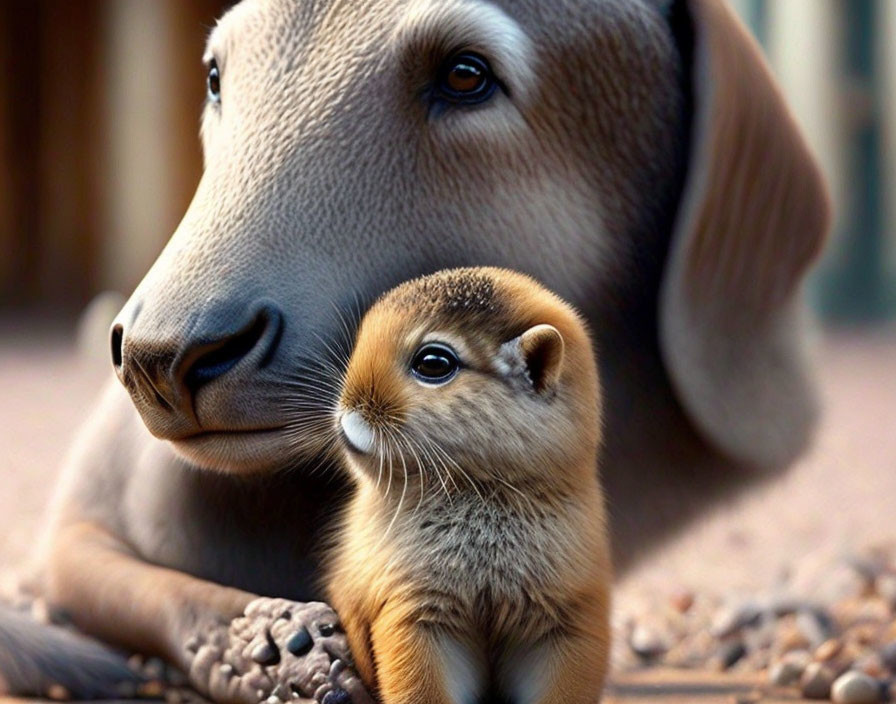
(278, 651)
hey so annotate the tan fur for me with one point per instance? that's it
(479, 520)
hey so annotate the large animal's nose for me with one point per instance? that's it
(169, 370)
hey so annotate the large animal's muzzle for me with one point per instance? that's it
(164, 370)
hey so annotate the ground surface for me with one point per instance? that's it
(839, 497)
(654, 687)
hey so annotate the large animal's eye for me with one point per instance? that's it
(435, 363)
(466, 79)
(214, 82)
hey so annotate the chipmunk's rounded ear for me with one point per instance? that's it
(753, 216)
(541, 351)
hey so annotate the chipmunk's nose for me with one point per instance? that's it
(357, 432)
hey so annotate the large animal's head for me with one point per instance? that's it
(631, 154)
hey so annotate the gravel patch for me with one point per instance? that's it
(826, 631)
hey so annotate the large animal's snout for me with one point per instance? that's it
(164, 370)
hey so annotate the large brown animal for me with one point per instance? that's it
(633, 155)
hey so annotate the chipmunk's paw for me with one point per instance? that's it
(278, 651)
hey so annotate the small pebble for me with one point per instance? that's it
(273, 700)
(790, 637)
(646, 643)
(888, 656)
(730, 620)
(682, 601)
(867, 569)
(855, 688)
(729, 654)
(828, 650)
(816, 681)
(871, 664)
(784, 605)
(785, 673)
(814, 626)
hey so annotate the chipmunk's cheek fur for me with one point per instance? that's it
(357, 432)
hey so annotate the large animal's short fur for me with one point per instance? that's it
(638, 160)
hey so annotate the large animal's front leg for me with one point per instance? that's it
(236, 647)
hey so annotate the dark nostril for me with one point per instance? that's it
(117, 337)
(222, 356)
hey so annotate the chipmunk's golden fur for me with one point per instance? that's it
(473, 563)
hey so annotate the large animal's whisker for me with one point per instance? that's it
(336, 362)
(347, 328)
(321, 371)
(321, 395)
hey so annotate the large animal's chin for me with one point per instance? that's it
(239, 452)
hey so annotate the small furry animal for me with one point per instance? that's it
(473, 564)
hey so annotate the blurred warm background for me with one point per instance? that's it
(99, 107)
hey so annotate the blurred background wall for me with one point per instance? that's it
(836, 61)
(99, 155)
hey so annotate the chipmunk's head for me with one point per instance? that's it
(469, 374)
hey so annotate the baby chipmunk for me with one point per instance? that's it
(472, 565)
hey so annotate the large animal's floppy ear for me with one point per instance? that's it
(754, 214)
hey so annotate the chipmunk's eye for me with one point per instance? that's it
(435, 363)
(214, 82)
